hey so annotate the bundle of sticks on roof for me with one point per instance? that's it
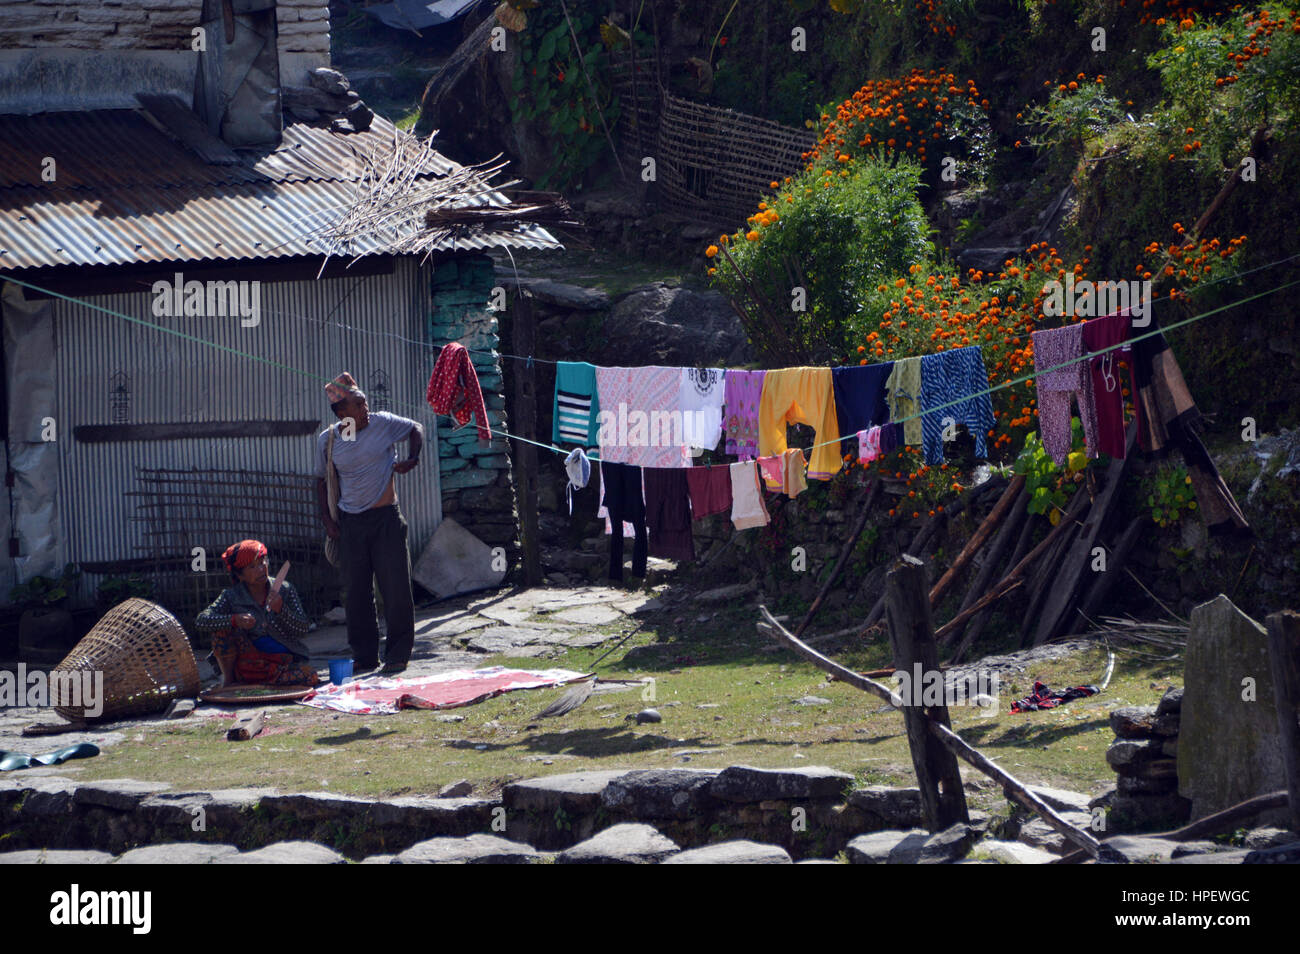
(402, 199)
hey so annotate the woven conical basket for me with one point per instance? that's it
(144, 656)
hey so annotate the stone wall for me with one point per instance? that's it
(476, 486)
(99, 24)
(303, 27)
(1145, 757)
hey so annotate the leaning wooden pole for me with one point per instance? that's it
(1014, 788)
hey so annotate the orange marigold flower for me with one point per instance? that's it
(711, 251)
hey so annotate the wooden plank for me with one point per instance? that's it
(907, 608)
(1023, 794)
(246, 726)
(977, 540)
(843, 557)
(997, 551)
(190, 430)
(1068, 581)
(524, 374)
(1095, 596)
(1284, 660)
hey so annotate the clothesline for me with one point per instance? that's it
(551, 447)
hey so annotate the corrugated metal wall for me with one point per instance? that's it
(373, 326)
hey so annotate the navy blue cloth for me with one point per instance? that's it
(860, 400)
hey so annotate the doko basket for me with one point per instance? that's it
(144, 656)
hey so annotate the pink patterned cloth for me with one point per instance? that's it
(773, 474)
(743, 392)
(869, 443)
(642, 417)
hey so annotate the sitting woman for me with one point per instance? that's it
(256, 634)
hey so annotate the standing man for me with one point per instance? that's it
(370, 529)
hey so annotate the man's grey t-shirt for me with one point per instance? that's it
(365, 463)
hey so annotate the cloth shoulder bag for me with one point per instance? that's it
(332, 488)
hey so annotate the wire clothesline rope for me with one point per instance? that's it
(501, 432)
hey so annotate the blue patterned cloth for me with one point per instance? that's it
(951, 376)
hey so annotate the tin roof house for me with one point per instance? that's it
(173, 301)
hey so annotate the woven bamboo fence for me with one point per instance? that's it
(711, 163)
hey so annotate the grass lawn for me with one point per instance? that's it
(723, 699)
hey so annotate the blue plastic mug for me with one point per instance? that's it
(340, 669)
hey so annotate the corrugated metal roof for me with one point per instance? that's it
(125, 192)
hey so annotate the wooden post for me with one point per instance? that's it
(523, 329)
(907, 609)
(1284, 659)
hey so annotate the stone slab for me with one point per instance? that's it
(180, 853)
(44, 856)
(472, 850)
(455, 561)
(743, 783)
(875, 848)
(1014, 853)
(733, 853)
(286, 853)
(1228, 747)
(123, 794)
(575, 792)
(626, 844)
(589, 615)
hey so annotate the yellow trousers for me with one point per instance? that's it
(800, 396)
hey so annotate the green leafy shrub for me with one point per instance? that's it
(833, 232)
(1170, 495)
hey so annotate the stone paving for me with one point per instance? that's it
(457, 634)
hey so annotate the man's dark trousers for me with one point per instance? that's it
(373, 545)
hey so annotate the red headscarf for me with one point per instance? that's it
(243, 554)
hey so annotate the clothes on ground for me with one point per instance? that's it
(640, 417)
(800, 396)
(280, 632)
(1044, 697)
(622, 496)
(21, 760)
(954, 387)
(702, 392)
(668, 513)
(576, 408)
(454, 389)
(1107, 385)
(448, 690)
(1167, 417)
(374, 551)
(860, 400)
(710, 489)
(365, 462)
(792, 468)
(742, 396)
(903, 392)
(747, 507)
(1052, 347)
